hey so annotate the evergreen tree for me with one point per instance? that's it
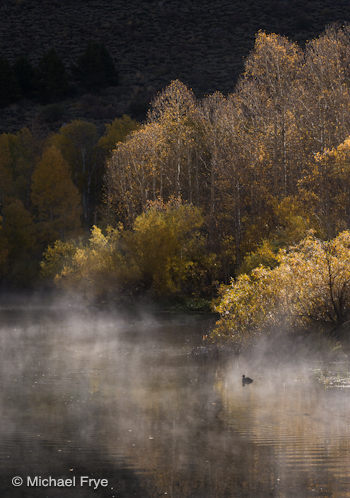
(25, 76)
(95, 68)
(52, 79)
(9, 91)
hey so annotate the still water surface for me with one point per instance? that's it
(85, 393)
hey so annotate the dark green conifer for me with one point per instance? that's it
(95, 68)
(25, 76)
(9, 91)
(52, 79)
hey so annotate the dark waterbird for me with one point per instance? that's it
(246, 380)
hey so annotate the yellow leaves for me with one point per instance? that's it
(264, 255)
(155, 159)
(165, 240)
(337, 153)
(311, 284)
(162, 253)
(88, 268)
(97, 239)
(134, 169)
(261, 162)
(54, 195)
(17, 156)
(117, 132)
(274, 58)
(293, 221)
(325, 188)
(173, 104)
(56, 258)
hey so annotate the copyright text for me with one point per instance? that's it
(59, 482)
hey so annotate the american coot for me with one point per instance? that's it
(246, 380)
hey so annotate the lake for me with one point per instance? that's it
(95, 394)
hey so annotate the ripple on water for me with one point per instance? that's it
(305, 425)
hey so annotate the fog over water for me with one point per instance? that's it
(105, 394)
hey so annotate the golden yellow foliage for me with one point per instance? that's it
(167, 245)
(116, 132)
(55, 196)
(311, 285)
(163, 254)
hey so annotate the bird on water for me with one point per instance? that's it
(246, 380)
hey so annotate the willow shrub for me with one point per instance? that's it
(164, 254)
(310, 285)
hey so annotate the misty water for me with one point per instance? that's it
(85, 392)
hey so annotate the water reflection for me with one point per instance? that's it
(108, 397)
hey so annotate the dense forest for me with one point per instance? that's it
(50, 188)
(205, 190)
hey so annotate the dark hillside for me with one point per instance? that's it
(200, 42)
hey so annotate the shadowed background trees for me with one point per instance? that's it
(95, 68)
(51, 81)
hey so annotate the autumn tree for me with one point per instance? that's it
(324, 97)
(96, 268)
(326, 188)
(55, 197)
(158, 159)
(116, 132)
(210, 137)
(56, 258)
(76, 142)
(310, 286)
(263, 165)
(18, 155)
(173, 110)
(135, 173)
(272, 70)
(164, 254)
(168, 247)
